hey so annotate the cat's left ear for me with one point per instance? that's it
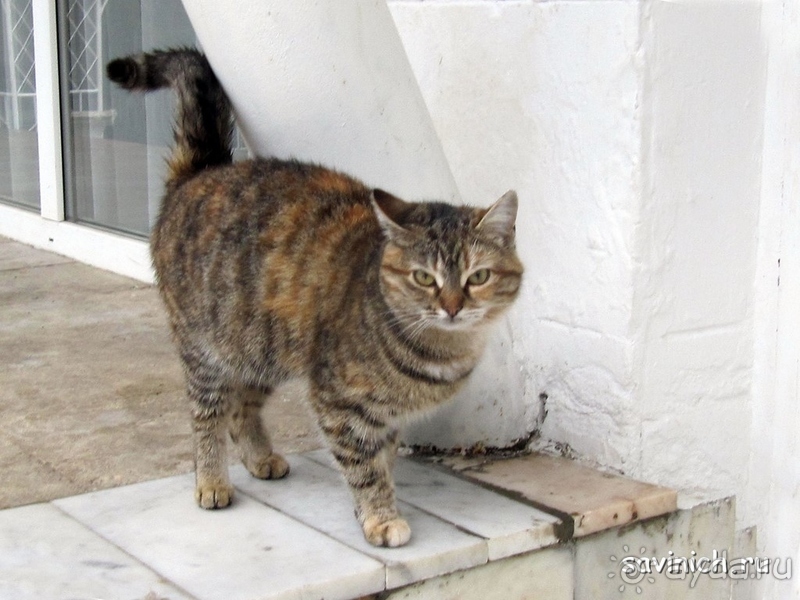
(390, 210)
(498, 222)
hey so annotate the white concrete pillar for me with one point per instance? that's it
(327, 82)
(330, 83)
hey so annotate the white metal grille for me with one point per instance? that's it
(85, 54)
(18, 83)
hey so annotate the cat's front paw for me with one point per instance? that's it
(213, 494)
(391, 533)
(273, 466)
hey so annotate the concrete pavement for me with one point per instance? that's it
(91, 391)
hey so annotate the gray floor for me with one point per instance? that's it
(90, 386)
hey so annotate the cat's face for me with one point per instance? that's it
(447, 267)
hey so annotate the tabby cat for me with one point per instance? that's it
(275, 269)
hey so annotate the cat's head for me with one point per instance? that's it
(448, 267)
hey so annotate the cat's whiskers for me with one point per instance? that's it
(416, 329)
(394, 316)
(411, 322)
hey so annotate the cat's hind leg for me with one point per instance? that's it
(247, 431)
(209, 394)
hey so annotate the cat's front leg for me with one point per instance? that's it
(362, 444)
(397, 529)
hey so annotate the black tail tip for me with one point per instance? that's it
(122, 71)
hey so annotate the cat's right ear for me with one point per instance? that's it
(390, 210)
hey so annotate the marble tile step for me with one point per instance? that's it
(289, 539)
(588, 500)
(509, 527)
(48, 555)
(248, 551)
(455, 524)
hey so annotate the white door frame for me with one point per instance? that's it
(48, 229)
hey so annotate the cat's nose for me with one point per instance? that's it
(452, 303)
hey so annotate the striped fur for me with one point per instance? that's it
(204, 124)
(273, 269)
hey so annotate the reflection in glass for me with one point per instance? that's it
(116, 140)
(19, 158)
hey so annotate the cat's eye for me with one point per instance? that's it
(479, 277)
(424, 278)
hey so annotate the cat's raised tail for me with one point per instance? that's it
(203, 119)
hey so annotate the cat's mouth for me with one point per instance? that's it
(462, 321)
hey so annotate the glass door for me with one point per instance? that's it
(19, 154)
(115, 141)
